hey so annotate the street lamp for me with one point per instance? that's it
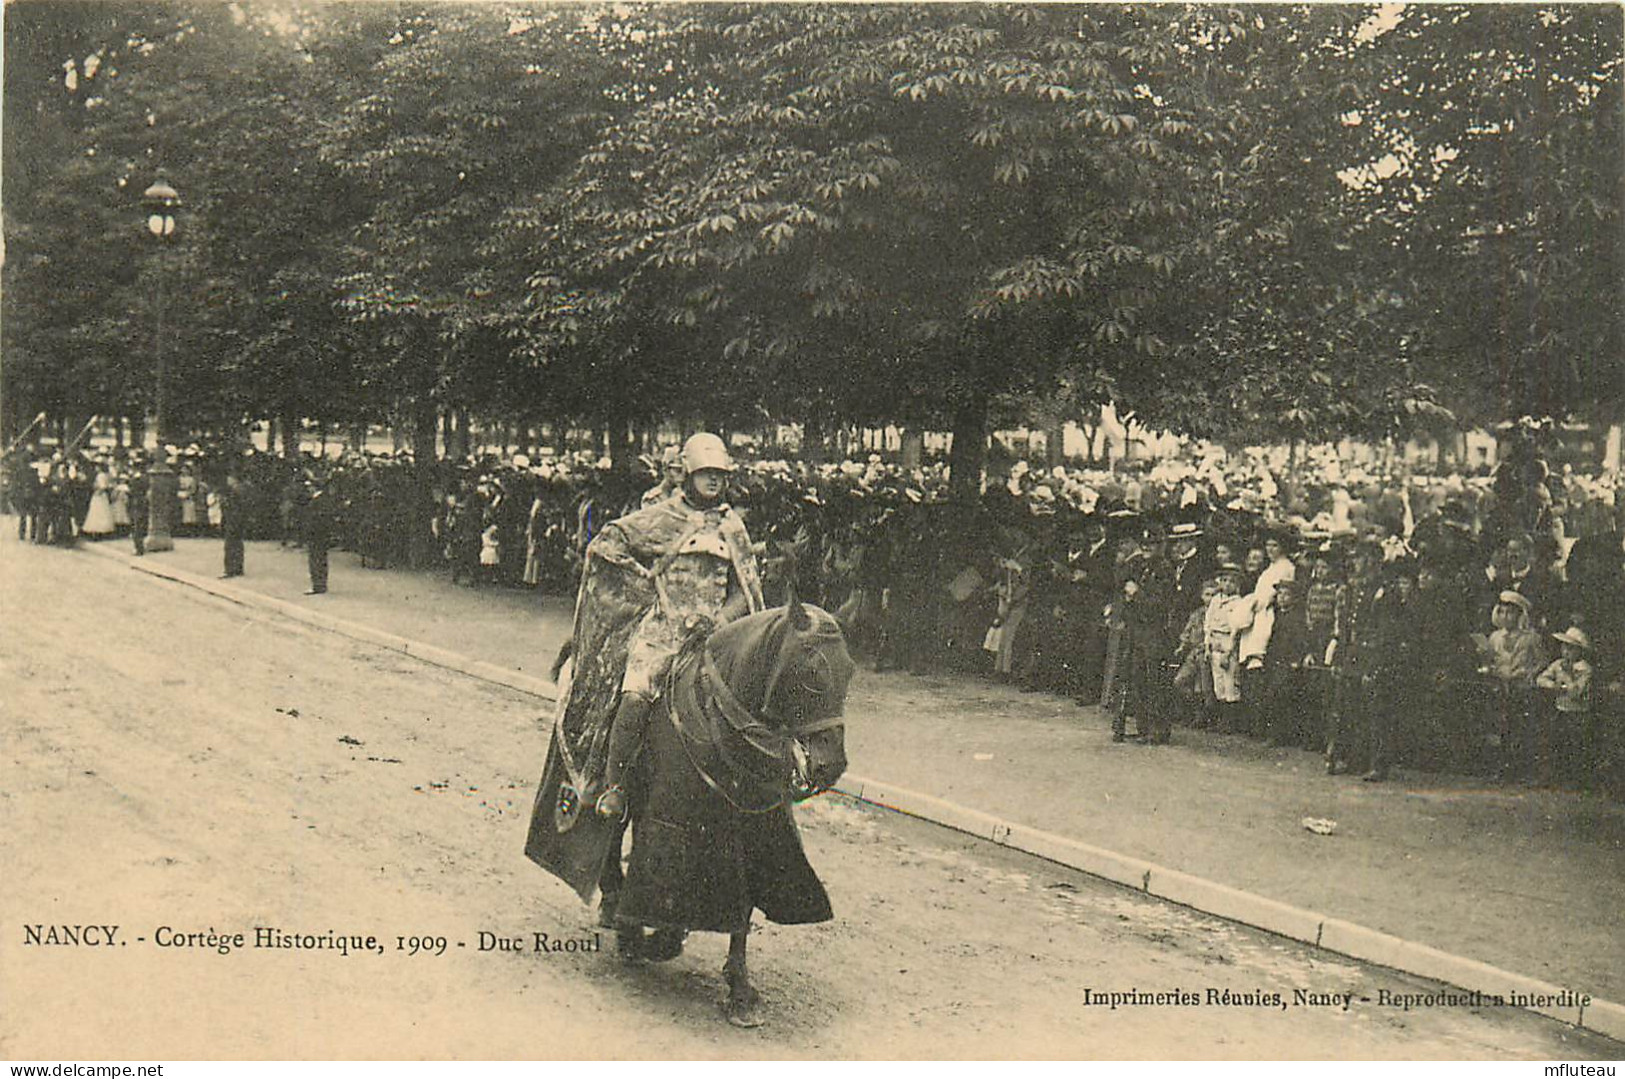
(161, 203)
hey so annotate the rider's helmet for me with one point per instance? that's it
(706, 450)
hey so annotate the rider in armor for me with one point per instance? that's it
(695, 551)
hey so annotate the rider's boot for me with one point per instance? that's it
(625, 738)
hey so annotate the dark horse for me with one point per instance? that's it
(749, 722)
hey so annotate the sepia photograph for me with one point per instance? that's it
(811, 532)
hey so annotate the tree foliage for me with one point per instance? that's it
(1262, 222)
(1497, 202)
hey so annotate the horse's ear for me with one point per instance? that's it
(846, 616)
(795, 613)
(799, 619)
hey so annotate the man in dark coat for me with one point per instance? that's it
(1388, 657)
(140, 508)
(1286, 707)
(232, 510)
(1089, 554)
(1516, 569)
(1353, 673)
(1187, 572)
(25, 496)
(58, 505)
(318, 535)
(1138, 645)
(1444, 659)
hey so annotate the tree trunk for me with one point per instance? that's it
(138, 431)
(968, 450)
(457, 448)
(290, 436)
(425, 420)
(625, 451)
(812, 439)
(913, 448)
(1055, 443)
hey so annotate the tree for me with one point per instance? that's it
(469, 116)
(141, 98)
(1496, 197)
(962, 201)
(1252, 223)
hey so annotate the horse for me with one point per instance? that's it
(750, 721)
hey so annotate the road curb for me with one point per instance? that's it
(1233, 904)
(439, 657)
(1198, 893)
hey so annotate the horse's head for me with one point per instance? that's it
(791, 664)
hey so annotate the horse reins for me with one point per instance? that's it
(719, 705)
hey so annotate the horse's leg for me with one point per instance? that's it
(610, 879)
(743, 1001)
(630, 939)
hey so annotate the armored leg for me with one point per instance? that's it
(625, 739)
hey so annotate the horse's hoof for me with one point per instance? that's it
(744, 1013)
(663, 945)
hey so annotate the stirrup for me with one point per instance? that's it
(612, 803)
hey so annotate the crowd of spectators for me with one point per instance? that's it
(1470, 624)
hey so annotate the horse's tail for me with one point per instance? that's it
(565, 651)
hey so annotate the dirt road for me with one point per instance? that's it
(175, 764)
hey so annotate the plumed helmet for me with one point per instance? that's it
(706, 450)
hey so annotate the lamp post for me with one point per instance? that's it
(161, 202)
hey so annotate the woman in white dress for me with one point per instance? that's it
(120, 482)
(99, 517)
(190, 498)
(1229, 614)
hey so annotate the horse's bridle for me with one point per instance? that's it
(780, 742)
